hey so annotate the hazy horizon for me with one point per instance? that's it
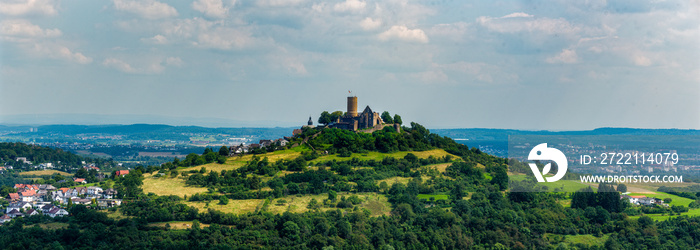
(555, 65)
(206, 122)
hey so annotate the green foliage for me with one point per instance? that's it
(325, 118)
(397, 119)
(223, 151)
(386, 117)
(223, 200)
(622, 188)
(607, 197)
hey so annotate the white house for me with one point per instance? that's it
(18, 206)
(56, 211)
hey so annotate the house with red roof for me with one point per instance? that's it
(5, 218)
(28, 196)
(121, 172)
(14, 196)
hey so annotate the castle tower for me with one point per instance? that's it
(310, 122)
(352, 106)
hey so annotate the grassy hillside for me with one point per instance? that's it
(47, 172)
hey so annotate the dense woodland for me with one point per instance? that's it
(491, 217)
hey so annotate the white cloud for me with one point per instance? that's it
(39, 42)
(157, 39)
(370, 24)
(566, 56)
(522, 22)
(19, 7)
(641, 60)
(119, 65)
(23, 28)
(224, 38)
(143, 65)
(350, 6)
(431, 76)
(517, 14)
(211, 8)
(401, 32)
(174, 61)
(149, 9)
(59, 52)
(279, 3)
(452, 31)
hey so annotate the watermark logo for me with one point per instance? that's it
(542, 153)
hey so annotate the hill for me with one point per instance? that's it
(332, 188)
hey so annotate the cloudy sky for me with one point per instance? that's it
(557, 65)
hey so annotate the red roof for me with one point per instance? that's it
(78, 179)
(122, 172)
(14, 196)
(64, 190)
(28, 193)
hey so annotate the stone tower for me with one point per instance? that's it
(352, 106)
(311, 122)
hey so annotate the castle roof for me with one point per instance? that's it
(367, 110)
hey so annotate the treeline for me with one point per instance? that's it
(9, 151)
(489, 220)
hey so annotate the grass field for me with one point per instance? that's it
(176, 225)
(437, 196)
(44, 173)
(397, 179)
(377, 204)
(675, 200)
(233, 206)
(570, 240)
(659, 217)
(440, 167)
(51, 225)
(169, 186)
(116, 215)
(379, 156)
(563, 185)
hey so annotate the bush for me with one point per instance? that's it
(223, 200)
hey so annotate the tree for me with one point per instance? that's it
(457, 193)
(335, 115)
(332, 195)
(313, 204)
(397, 119)
(325, 118)
(291, 230)
(386, 117)
(223, 200)
(383, 186)
(223, 151)
(622, 188)
(667, 200)
(81, 173)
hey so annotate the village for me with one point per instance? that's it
(45, 199)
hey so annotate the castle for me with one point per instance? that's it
(368, 121)
(354, 121)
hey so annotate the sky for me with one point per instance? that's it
(536, 65)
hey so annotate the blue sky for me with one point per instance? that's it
(557, 65)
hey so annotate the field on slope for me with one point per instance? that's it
(438, 153)
(560, 185)
(44, 173)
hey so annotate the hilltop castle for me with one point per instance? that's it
(368, 121)
(354, 121)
